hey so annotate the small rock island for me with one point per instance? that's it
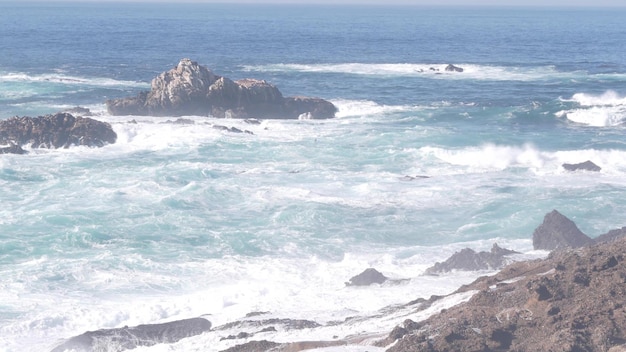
(192, 89)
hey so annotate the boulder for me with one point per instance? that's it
(60, 130)
(452, 68)
(469, 260)
(556, 232)
(585, 166)
(131, 337)
(192, 89)
(366, 278)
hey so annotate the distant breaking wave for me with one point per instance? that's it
(435, 71)
(18, 77)
(605, 110)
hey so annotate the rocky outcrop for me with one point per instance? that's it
(131, 337)
(452, 68)
(60, 130)
(557, 232)
(469, 260)
(571, 301)
(192, 89)
(367, 277)
(585, 166)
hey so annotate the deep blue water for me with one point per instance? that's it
(175, 221)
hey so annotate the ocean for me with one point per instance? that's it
(178, 221)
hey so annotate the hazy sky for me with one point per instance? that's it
(561, 3)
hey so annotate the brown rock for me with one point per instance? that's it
(60, 130)
(557, 231)
(539, 305)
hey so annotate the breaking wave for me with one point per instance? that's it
(604, 110)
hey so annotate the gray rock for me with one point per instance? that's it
(452, 68)
(557, 231)
(586, 166)
(60, 130)
(367, 277)
(125, 338)
(191, 89)
(469, 260)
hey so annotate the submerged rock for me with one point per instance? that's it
(192, 89)
(60, 130)
(126, 338)
(557, 231)
(367, 277)
(452, 68)
(586, 166)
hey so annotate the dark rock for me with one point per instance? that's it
(557, 231)
(586, 166)
(366, 278)
(540, 308)
(12, 149)
(468, 259)
(254, 346)
(141, 335)
(287, 324)
(452, 68)
(60, 130)
(191, 89)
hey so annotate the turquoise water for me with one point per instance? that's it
(177, 221)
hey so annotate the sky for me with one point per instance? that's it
(559, 3)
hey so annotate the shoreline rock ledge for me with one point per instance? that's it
(192, 89)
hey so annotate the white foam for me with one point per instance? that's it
(360, 108)
(69, 80)
(493, 157)
(605, 110)
(437, 71)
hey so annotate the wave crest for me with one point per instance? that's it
(604, 110)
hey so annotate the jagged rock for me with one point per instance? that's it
(60, 130)
(452, 68)
(570, 301)
(557, 231)
(132, 337)
(611, 235)
(470, 260)
(192, 89)
(587, 166)
(366, 278)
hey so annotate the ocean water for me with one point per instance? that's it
(179, 221)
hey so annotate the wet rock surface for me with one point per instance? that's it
(60, 130)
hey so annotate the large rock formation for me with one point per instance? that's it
(191, 89)
(131, 337)
(60, 130)
(557, 231)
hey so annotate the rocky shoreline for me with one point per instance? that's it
(572, 300)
